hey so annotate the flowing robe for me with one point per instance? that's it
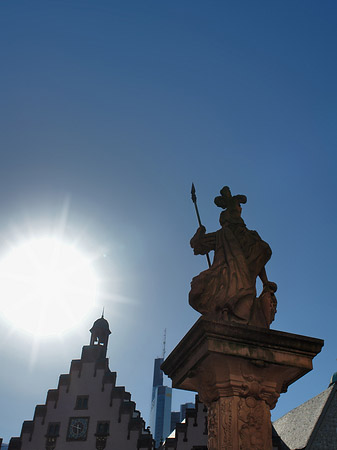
(229, 285)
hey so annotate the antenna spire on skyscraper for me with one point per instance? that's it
(164, 344)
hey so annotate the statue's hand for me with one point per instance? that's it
(201, 230)
(197, 238)
(202, 242)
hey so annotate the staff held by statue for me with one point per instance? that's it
(194, 200)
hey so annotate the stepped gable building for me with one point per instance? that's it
(87, 410)
(191, 434)
(179, 416)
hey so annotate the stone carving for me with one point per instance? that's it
(227, 290)
(254, 424)
(226, 414)
(241, 423)
(254, 387)
(213, 426)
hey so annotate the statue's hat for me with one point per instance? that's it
(226, 200)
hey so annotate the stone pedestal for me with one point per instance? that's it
(239, 373)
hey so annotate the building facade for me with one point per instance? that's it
(87, 410)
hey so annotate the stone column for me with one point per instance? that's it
(239, 423)
(239, 373)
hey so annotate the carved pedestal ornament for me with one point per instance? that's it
(254, 424)
(230, 357)
(239, 423)
(213, 425)
(239, 418)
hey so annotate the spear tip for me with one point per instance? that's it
(194, 197)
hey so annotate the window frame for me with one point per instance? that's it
(82, 402)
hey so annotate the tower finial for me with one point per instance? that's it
(103, 313)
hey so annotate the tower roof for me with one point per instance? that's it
(333, 379)
(101, 324)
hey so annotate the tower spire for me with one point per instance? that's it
(164, 344)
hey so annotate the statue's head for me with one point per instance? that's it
(231, 204)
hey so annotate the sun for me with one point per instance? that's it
(47, 286)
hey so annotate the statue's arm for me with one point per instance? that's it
(203, 242)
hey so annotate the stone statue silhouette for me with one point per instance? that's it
(227, 290)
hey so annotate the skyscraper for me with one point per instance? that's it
(160, 418)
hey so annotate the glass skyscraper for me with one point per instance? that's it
(160, 418)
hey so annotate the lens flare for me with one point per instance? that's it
(47, 286)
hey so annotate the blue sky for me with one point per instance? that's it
(113, 108)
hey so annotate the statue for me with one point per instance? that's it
(227, 290)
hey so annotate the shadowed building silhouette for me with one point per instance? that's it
(87, 407)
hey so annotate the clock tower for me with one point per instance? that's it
(100, 334)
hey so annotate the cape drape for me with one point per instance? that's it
(229, 285)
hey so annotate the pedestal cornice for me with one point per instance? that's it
(239, 372)
(288, 356)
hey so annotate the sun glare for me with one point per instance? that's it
(46, 286)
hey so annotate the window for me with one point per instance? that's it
(102, 429)
(82, 402)
(53, 429)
